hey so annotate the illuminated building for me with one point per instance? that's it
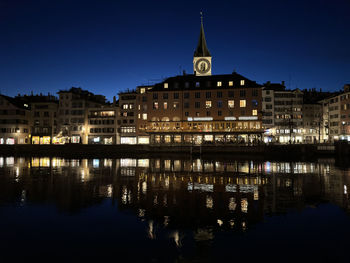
(72, 111)
(282, 114)
(44, 117)
(200, 108)
(127, 118)
(101, 127)
(15, 121)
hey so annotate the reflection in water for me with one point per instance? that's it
(203, 196)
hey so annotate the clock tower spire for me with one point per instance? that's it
(202, 57)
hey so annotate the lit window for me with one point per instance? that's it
(155, 105)
(144, 116)
(176, 105)
(165, 105)
(131, 106)
(125, 106)
(230, 83)
(208, 104)
(219, 84)
(125, 114)
(231, 104)
(242, 103)
(139, 116)
(255, 112)
(242, 82)
(166, 85)
(142, 90)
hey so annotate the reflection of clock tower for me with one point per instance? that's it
(202, 57)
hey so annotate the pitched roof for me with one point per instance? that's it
(202, 49)
(16, 102)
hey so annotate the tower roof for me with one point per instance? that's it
(202, 49)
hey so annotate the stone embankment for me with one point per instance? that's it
(295, 151)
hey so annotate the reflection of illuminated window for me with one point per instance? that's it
(244, 205)
(209, 202)
(232, 204)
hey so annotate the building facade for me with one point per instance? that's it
(72, 112)
(15, 121)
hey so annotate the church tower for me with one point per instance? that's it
(202, 57)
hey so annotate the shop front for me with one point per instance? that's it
(128, 140)
(41, 139)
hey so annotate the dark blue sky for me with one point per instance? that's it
(108, 46)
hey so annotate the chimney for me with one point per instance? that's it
(114, 101)
(283, 83)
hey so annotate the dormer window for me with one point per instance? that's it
(166, 85)
(242, 82)
(230, 83)
(219, 83)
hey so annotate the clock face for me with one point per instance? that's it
(202, 65)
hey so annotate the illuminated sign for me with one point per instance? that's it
(248, 118)
(199, 118)
(230, 118)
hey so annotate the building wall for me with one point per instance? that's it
(15, 122)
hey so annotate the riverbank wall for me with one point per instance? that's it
(114, 151)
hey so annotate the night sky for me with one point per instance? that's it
(110, 46)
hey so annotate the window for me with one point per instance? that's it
(176, 95)
(165, 96)
(198, 84)
(242, 93)
(231, 94)
(197, 104)
(176, 105)
(166, 85)
(231, 104)
(197, 114)
(255, 103)
(142, 90)
(230, 83)
(255, 93)
(186, 105)
(165, 105)
(208, 113)
(242, 82)
(186, 95)
(242, 103)
(186, 113)
(197, 95)
(219, 104)
(144, 98)
(208, 95)
(155, 105)
(255, 112)
(208, 104)
(144, 116)
(219, 83)
(219, 94)
(219, 113)
(155, 96)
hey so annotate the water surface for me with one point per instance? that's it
(173, 210)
